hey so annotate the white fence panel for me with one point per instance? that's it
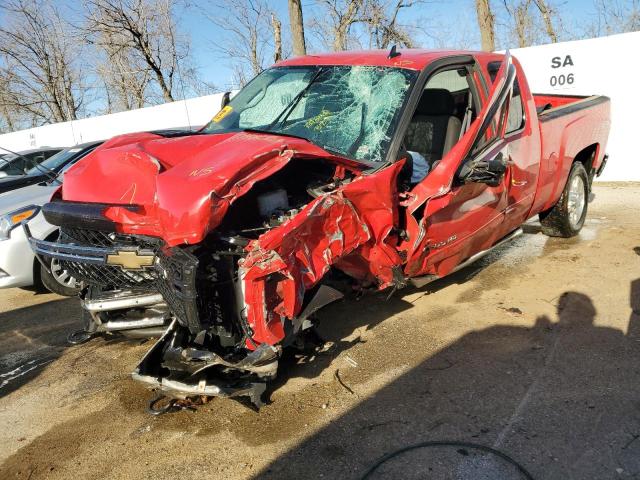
(599, 66)
(183, 113)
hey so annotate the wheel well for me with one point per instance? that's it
(587, 156)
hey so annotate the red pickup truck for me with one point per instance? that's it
(383, 168)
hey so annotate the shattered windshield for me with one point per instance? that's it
(349, 110)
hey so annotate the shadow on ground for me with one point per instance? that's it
(561, 397)
(32, 337)
(339, 322)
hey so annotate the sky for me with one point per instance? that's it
(453, 20)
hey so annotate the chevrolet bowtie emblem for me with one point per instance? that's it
(129, 260)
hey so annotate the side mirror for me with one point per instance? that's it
(226, 98)
(489, 171)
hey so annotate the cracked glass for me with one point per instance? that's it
(348, 110)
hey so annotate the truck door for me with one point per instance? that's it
(458, 209)
(522, 150)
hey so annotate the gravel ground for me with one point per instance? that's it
(533, 351)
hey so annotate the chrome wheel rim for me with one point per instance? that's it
(577, 201)
(62, 275)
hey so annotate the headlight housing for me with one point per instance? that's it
(11, 220)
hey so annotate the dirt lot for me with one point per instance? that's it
(534, 351)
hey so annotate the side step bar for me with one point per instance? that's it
(426, 279)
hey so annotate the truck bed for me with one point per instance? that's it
(550, 105)
(569, 124)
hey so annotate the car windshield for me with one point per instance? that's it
(349, 110)
(54, 162)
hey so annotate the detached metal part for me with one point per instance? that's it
(186, 371)
(180, 368)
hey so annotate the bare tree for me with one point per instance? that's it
(615, 16)
(297, 28)
(547, 15)
(486, 24)
(8, 116)
(39, 66)
(527, 26)
(248, 36)
(521, 20)
(126, 76)
(277, 37)
(334, 21)
(145, 29)
(385, 28)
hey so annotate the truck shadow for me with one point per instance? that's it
(560, 397)
(32, 337)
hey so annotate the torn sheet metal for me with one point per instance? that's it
(283, 263)
(350, 228)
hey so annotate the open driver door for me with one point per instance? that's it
(458, 209)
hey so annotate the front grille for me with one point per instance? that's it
(109, 276)
(96, 238)
(195, 293)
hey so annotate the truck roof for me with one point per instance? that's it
(414, 59)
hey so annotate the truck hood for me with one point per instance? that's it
(183, 186)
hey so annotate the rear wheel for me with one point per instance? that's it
(58, 279)
(566, 218)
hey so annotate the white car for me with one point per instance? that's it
(18, 264)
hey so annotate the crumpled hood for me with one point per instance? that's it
(183, 185)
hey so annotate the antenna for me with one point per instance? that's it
(393, 53)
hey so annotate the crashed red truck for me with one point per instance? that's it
(383, 168)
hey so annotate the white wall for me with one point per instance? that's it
(183, 113)
(601, 66)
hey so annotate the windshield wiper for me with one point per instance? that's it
(271, 132)
(289, 108)
(47, 172)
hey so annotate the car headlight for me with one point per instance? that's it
(11, 220)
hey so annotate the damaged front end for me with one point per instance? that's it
(180, 367)
(235, 300)
(240, 227)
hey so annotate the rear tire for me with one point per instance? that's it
(57, 280)
(566, 218)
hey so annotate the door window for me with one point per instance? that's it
(444, 112)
